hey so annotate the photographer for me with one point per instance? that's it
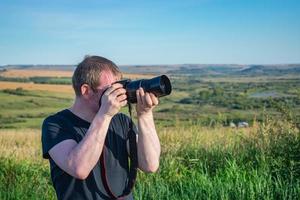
(74, 139)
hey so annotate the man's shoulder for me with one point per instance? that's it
(55, 129)
(57, 117)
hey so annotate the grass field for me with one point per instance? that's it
(202, 158)
(261, 162)
(37, 87)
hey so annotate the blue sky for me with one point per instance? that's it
(150, 32)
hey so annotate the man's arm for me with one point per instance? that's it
(148, 142)
(78, 159)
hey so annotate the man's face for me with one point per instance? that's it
(106, 79)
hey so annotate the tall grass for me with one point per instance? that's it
(261, 162)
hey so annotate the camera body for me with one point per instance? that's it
(160, 86)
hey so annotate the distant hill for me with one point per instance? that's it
(270, 69)
(186, 69)
(205, 69)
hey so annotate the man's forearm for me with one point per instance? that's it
(148, 144)
(86, 153)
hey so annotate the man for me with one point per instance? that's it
(73, 139)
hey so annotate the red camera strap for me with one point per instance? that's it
(133, 165)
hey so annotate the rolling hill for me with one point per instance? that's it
(185, 69)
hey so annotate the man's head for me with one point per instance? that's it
(89, 72)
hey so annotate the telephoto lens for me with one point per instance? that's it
(160, 86)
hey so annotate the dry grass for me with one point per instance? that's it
(41, 87)
(21, 144)
(173, 139)
(25, 144)
(25, 73)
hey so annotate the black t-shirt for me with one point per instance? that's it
(66, 125)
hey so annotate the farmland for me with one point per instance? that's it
(202, 157)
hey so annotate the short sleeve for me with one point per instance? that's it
(53, 132)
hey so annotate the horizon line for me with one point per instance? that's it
(293, 63)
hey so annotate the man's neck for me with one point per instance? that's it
(80, 109)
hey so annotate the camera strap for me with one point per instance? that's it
(133, 164)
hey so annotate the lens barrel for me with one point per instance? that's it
(160, 86)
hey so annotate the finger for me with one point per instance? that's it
(138, 97)
(122, 97)
(118, 92)
(113, 88)
(142, 94)
(154, 99)
(123, 103)
(148, 100)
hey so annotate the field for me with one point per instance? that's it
(25, 73)
(36, 87)
(202, 156)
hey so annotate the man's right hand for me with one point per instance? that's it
(113, 99)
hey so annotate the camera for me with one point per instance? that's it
(160, 86)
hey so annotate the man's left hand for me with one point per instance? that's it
(145, 102)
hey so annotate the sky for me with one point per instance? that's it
(150, 32)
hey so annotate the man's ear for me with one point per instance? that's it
(85, 90)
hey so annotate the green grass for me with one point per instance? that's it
(26, 109)
(24, 180)
(262, 162)
(193, 98)
(197, 173)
